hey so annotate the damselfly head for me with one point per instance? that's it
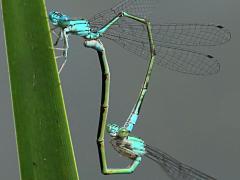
(112, 129)
(56, 17)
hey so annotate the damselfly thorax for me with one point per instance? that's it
(130, 147)
(80, 27)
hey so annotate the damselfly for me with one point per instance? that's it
(126, 25)
(172, 40)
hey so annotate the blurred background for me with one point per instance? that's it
(193, 118)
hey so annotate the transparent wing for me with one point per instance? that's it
(175, 34)
(140, 8)
(175, 169)
(168, 38)
(172, 57)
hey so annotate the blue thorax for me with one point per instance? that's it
(80, 27)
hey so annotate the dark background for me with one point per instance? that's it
(195, 119)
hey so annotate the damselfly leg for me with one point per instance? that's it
(58, 35)
(61, 36)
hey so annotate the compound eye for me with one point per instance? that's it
(112, 129)
(58, 14)
(123, 132)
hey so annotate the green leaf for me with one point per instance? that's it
(43, 137)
